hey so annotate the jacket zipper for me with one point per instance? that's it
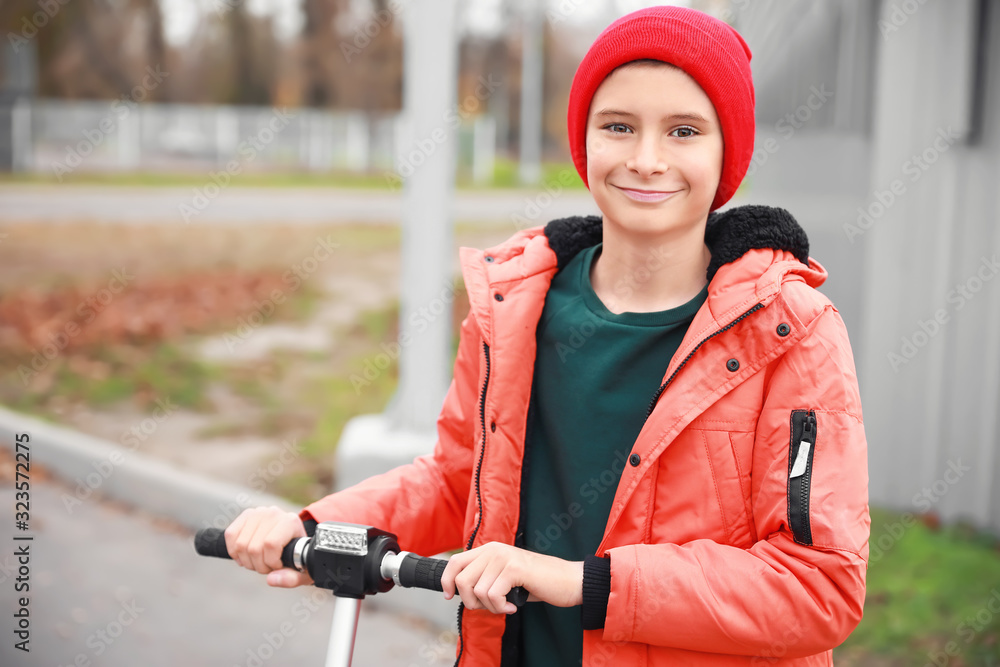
(801, 450)
(482, 453)
(479, 498)
(656, 396)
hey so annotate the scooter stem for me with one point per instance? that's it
(343, 632)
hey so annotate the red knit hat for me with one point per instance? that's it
(709, 50)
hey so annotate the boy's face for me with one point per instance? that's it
(653, 128)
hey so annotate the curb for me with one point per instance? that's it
(95, 465)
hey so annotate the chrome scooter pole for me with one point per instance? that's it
(353, 561)
(343, 632)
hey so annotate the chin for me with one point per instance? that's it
(645, 222)
(649, 219)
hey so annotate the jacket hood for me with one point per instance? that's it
(728, 235)
(754, 250)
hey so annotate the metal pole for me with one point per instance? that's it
(427, 165)
(343, 632)
(531, 96)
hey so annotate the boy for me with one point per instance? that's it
(654, 425)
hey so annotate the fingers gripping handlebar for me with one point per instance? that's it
(351, 560)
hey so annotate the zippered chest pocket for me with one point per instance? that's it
(801, 450)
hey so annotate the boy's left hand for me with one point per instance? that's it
(484, 576)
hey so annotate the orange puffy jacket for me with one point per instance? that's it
(739, 530)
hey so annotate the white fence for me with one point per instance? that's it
(58, 137)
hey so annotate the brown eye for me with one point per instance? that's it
(610, 125)
(687, 129)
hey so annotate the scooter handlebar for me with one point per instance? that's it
(404, 568)
(421, 572)
(212, 542)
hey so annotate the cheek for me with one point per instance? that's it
(599, 152)
(715, 163)
(706, 168)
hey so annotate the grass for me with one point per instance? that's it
(276, 179)
(143, 372)
(505, 177)
(342, 397)
(354, 387)
(105, 375)
(363, 385)
(929, 589)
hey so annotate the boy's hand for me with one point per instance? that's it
(483, 576)
(255, 540)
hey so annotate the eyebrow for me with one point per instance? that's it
(677, 116)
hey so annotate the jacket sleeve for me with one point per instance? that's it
(800, 589)
(422, 502)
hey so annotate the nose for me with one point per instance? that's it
(647, 157)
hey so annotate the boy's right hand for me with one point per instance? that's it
(255, 541)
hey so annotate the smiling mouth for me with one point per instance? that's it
(647, 195)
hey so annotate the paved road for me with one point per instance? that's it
(183, 205)
(117, 588)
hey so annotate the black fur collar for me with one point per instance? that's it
(728, 234)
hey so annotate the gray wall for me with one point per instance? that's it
(897, 76)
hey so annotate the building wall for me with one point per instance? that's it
(895, 179)
(931, 373)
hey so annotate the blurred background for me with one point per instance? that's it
(217, 218)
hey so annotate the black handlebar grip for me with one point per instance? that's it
(517, 595)
(212, 542)
(417, 571)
